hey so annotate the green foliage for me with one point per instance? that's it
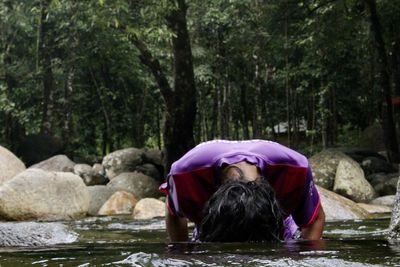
(257, 64)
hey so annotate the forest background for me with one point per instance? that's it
(89, 77)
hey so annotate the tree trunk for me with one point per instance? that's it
(181, 113)
(180, 102)
(45, 47)
(389, 127)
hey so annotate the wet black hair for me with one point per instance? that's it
(242, 212)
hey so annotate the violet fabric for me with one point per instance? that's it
(195, 177)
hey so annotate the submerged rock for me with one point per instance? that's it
(10, 165)
(37, 194)
(34, 234)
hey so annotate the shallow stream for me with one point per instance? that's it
(119, 241)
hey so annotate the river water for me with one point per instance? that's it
(119, 241)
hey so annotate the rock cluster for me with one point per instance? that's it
(127, 181)
(365, 184)
(360, 175)
(58, 188)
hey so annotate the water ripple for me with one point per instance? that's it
(146, 259)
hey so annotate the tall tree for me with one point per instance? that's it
(180, 100)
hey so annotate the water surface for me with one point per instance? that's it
(119, 241)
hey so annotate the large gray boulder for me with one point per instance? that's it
(350, 182)
(149, 208)
(394, 227)
(59, 163)
(324, 165)
(10, 165)
(124, 160)
(136, 183)
(99, 194)
(39, 195)
(33, 234)
(337, 207)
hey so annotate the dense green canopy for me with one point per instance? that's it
(100, 75)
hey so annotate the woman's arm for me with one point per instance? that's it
(176, 227)
(314, 230)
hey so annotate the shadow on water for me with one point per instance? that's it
(117, 241)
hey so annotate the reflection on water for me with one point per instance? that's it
(118, 241)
